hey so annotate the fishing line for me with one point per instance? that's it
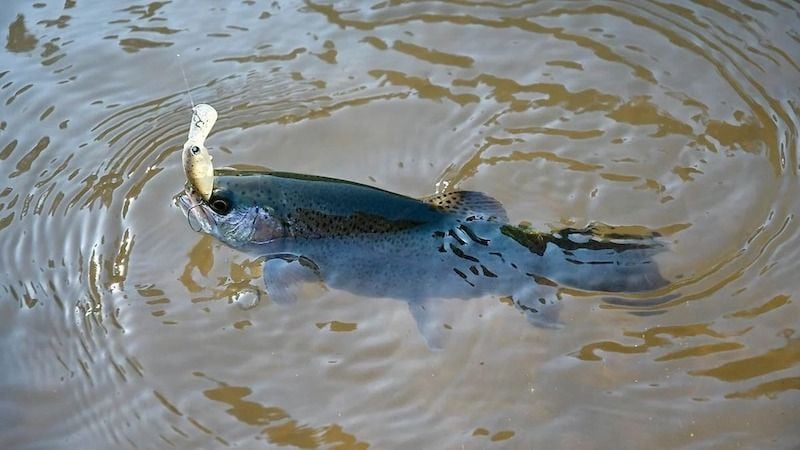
(185, 80)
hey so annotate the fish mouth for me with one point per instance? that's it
(194, 209)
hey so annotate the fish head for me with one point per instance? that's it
(234, 217)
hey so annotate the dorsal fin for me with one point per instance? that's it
(469, 203)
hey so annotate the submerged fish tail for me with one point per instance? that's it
(598, 258)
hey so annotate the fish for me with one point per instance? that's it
(376, 243)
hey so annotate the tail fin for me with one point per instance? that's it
(597, 258)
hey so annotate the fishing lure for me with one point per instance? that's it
(196, 159)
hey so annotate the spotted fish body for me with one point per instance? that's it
(376, 243)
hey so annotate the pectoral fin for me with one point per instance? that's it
(288, 277)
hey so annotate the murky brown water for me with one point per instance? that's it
(117, 323)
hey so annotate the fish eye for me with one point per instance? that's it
(195, 149)
(220, 206)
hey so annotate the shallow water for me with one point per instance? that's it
(119, 326)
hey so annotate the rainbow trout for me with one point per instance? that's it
(376, 243)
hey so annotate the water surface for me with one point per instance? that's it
(120, 327)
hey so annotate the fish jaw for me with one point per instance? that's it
(196, 212)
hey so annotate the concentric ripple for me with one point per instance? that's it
(122, 327)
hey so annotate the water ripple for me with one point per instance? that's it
(677, 117)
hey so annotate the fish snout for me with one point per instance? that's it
(194, 209)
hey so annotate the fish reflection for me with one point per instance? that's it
(376, 243)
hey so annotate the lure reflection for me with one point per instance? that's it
(377, 243)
